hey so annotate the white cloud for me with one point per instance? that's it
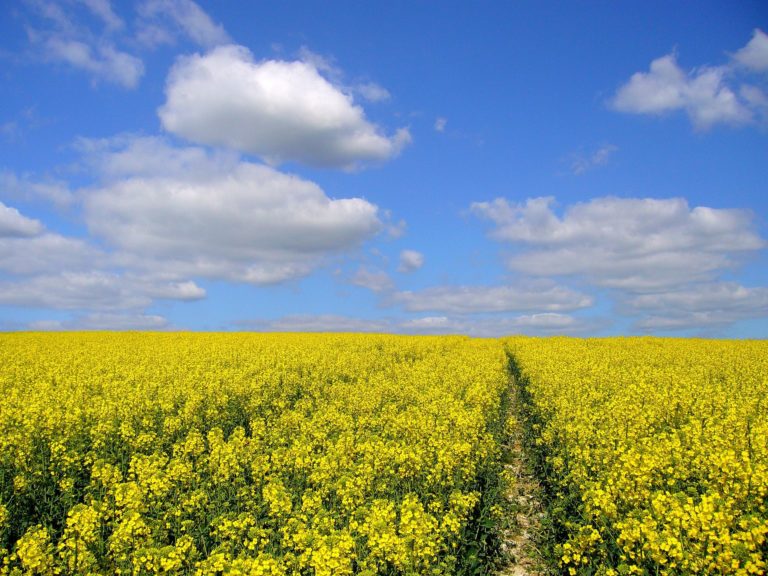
(700, 305)
(47, 251)
(42, 269)
(107, 321)
(633, 244)
(14, 225)
(581, 163)
(103, 321)
(539, 296)
(162, 20)
(375, 280)
(318, 323)
(237, 221)
(755, 54)
(709, 94)
(103, 60)
(372, 92)
(410, 260)
(93, 290)
(129, 156)
(701, 93)
(536, 324)
(546, 323)
(274, 109)
(440, 124)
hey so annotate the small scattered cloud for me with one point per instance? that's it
(162, 21)
(535, 296)
(372, 92)
(440, 124)
(581, 163)
(102, 60)
(104, 321)
(317, 323)
(277, 110)
(410, 261)
(64, 32)
(374, 280)
(626, 243)
(535, 324)
(93, 290)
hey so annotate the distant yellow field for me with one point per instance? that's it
(656, 451)
(243, 454)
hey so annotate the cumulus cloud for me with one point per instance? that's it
(410, 260)
(701, 305)
(440, 124)
(708, 94)
(628, 243)
(237, 221)
(755, 54)
(702, 94)
(14, 225)
(163, 20)
(130, 156)
(274, 109)
(43, 269)
(538, 296)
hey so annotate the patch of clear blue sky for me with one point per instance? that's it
(523, 87)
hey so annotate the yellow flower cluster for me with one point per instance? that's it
(243, 454)
(655, 451)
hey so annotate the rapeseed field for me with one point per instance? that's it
(298, 454)
(244, 454)
(654, 451)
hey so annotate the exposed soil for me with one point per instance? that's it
(522, 538)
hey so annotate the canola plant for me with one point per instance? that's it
(239, 454)
(654, 452)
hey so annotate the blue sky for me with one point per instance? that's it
(459, 167)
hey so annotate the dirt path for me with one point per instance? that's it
(521, 539)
